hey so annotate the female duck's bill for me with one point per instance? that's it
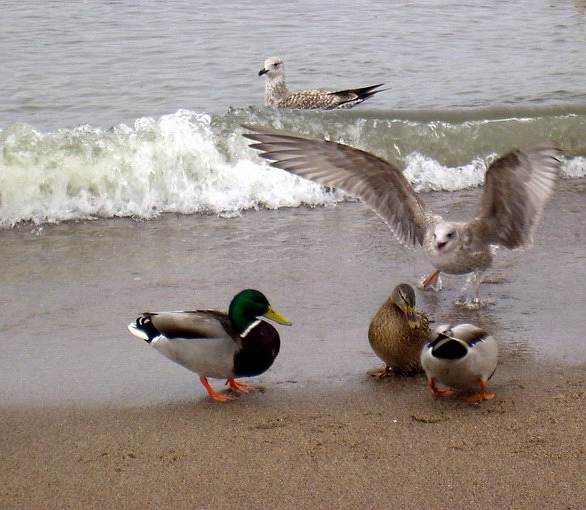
(217, 344)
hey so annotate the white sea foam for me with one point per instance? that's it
(169, 165)
(183, 163)
(574, 168)
(426, 174)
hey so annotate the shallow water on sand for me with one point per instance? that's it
(69, 290)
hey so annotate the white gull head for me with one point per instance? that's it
(445, 237)
(274, 67)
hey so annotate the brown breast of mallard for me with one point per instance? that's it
(260, 347)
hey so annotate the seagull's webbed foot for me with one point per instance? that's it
(468, 301)
(431, 281)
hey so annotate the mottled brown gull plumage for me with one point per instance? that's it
(277, 95)
(516, 189)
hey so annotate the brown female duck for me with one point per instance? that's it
(397, 333)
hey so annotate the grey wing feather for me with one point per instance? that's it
(375, 181)
(192, 324)
(517, 187)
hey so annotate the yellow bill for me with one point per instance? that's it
(272, 314)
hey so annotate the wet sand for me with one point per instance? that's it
(375, 444)
(93, 418)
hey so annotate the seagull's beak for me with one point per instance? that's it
(272, 314)
(263, 71)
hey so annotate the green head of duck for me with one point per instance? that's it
(247, 306)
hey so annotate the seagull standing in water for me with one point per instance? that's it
(516, 189)
(277, 95)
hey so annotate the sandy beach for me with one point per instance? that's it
(377, 444)
(93, 418)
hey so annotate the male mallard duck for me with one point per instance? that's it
(460, 357)
(516, 189)
(217, 344)
(397, 333)
(278, 96)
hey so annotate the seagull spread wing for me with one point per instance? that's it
(378, 183)
(516, 189)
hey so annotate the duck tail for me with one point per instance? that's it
(449, 348)
(144, 328)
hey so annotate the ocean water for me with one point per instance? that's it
(106, 62)
(133, 108)
(129, 114)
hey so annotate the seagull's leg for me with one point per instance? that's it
(213, 394)
(381, 374)
(477, 281)
(466, 299)
(233, 384)
(432, 281)
(482, 395)
(437, 392)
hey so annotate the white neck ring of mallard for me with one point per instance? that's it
(250, 327)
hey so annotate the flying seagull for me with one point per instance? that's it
(277, 95)
(516, 189)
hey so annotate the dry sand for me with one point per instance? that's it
(376, 444)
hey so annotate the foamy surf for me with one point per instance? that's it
(169, 165)
(192, 163)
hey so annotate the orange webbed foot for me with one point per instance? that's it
(233, 384)
(221, 398)
(381, 374)
(437, 391)
(482, 395)
(216, 396)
